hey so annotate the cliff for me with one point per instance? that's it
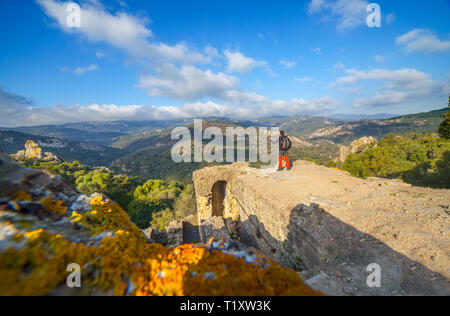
(332, 227)
(46, 225)
(33, 151)
(356, 146)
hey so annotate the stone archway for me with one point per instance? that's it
(218, 195)
(222, 206)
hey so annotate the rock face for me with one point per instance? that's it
(326, 223)
(356, 146)
(46, 226)
(33, 151)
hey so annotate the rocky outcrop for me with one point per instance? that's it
(332, 227)
(33, 151)
(48, 228)
(356, 146)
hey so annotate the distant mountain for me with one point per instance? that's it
(89, 154)
(104, 138)
(354, 117)
(143, 147)
(150, 157)
(347, 132)
(109, 133)
(299, 126)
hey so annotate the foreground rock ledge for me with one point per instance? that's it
(45, 225)
(332, 226)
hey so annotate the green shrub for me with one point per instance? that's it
(418, 159)
(444, 128)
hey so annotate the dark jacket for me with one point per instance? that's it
(285, 144)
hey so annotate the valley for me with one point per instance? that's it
(142, 148)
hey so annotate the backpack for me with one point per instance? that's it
(285, 143)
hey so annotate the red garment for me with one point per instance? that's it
(286, 157)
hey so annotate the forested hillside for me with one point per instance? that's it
(154, 202)
(416, 158)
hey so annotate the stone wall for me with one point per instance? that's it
(315, 219)
(254, 220)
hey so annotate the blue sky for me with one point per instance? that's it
(169, 59)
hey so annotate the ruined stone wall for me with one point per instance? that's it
(331, 226)
(254, 220)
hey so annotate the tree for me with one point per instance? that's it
(444, 128)
(162, 219)
(416, 158)
(185, 204)
(151, 198)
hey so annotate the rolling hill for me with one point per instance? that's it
(347, 132)
(143, 147)
(87, 153)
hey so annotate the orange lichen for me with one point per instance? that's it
(126, 264)
(105, 216)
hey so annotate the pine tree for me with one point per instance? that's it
(444, 128)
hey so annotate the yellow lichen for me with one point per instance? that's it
(23, 196)
(128, 265)
(76, 217)
(34, 235)
(54, 206)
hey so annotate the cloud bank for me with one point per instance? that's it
(346, 14)
(422, 40)
(16, 110)
(398, 85)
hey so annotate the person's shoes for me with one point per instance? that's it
(280, 169)
(289, 169)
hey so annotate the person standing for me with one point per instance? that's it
(285, 145)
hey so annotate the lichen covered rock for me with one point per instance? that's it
(32, 150)
(45, 225)
(357, 145)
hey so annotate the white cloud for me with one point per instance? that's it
(347, 14)
(187, 83)
(211, 51)
(316, 6)
(288, 63)
(338, 66)
(379, 58)
(304, 79)
(166, 70)
(237, 62)
(406, 78)
(316, 50)
(121, 30)
(100, 54)
(16, 110)
(83, 70)
(422, 40)
(399, 85)
(390, 18)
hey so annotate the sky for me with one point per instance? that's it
(146, 60)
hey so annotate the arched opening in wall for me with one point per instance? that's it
(218, 198)
(222, 207)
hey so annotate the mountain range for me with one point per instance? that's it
(143, 147)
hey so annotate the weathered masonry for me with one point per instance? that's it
(315, 219)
